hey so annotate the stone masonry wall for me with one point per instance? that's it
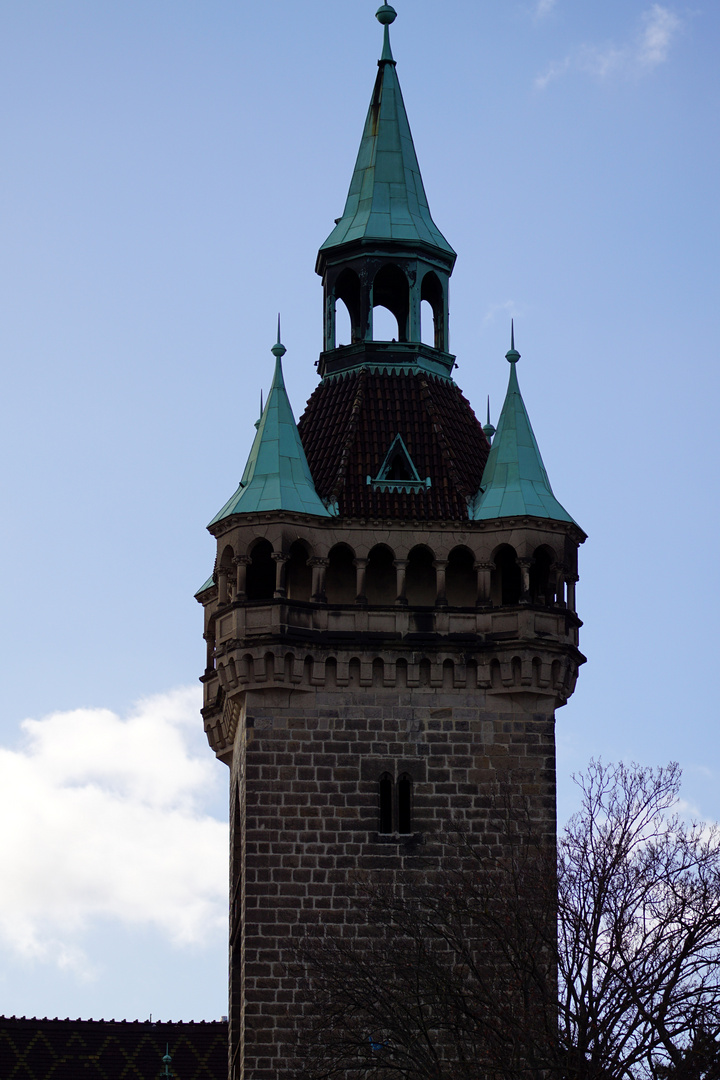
(306, 767)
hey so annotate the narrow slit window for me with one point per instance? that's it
(404, 789)
(386, 803)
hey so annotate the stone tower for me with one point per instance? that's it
(390, 623)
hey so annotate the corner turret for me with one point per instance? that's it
(277, 475)
(515, 482)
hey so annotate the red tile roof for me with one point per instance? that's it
(110, 1050)
(348, 427)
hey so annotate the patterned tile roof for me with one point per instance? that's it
(350, 423)
(110, 1050)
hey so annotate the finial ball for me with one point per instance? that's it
(386, 15)
(278, 350)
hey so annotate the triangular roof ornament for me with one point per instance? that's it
(277, 475)
(514, 482)
(398, 472)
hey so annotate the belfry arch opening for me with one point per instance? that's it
(391, 292)
(347, 311)
(432, 312)
(343, 326)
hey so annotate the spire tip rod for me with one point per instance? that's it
(278, 350)
(386, 16)
(512, 356)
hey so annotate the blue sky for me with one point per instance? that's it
(169, 170)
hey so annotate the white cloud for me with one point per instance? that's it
(103, 818)
(649, 48)
(544, 7)
(506, 309)
(554, 71)
(660, 27)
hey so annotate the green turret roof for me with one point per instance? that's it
(387, 200)
(515, 483)
(277, 475)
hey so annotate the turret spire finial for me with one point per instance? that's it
(512, 356)
(278, 349)
(386, 16)
(488, 429)
(167, 1061)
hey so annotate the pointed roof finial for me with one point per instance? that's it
(167, 1061)
(262, 409)
(512, 356)
(488, 429)
(386, 16)
(278, 349)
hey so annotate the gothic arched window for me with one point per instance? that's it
(395, 804)
(404, 803)
(386, 803)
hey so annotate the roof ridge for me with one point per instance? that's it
(443, 442)
(350, 436)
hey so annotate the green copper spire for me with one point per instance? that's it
(387, 200)
(514, 482)
(277, 475)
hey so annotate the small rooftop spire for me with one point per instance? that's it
(515, 482)
(386, 16)
(167, 1061)
(278, 349)
(488, 429)
(277, 475)
(512, 356)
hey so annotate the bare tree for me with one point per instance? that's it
(461, 973)
(638, 926)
